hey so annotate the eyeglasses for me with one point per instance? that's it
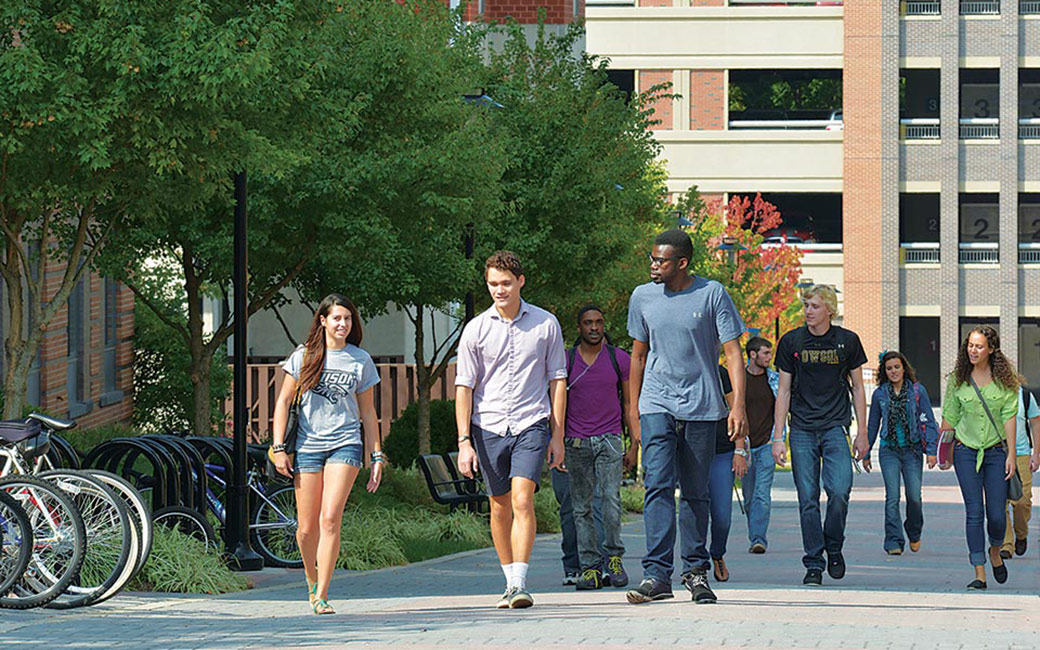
(659, 261)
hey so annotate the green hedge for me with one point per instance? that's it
(402, 443)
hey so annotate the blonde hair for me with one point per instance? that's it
(826, 293)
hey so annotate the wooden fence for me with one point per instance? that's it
(394, 392)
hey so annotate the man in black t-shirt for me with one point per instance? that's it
(820, 367)
(761, 384)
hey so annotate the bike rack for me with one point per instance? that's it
(119, 455)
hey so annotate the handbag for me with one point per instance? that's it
(292, 428)
(1015, 482)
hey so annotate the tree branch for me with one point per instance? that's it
(150, 304)
(285, 328)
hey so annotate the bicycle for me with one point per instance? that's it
(16, 541)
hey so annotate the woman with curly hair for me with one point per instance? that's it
(980, 405)
(901, 411)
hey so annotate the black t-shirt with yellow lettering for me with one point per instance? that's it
(821, 388)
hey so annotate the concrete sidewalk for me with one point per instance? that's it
(911, 601)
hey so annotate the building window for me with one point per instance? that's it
(111, 393)
(76, 359)
(919, 341)
(979, 229)
(980, 104)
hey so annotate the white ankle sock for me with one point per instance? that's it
(507, 570)
(520, 575)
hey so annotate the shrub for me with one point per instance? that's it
(86, 439)
(180, 563)
(402, 443)
(376, 537)
(632, 498)
(399, 486)
(547, 508)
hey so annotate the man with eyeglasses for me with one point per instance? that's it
(677, 322)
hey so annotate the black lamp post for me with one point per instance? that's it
(240, 556)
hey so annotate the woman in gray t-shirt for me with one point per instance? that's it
(335, 378)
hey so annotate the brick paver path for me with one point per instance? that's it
(912, 601)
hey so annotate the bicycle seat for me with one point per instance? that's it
(54, 424)
(18, 430)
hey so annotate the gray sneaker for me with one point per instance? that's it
(503, 602)
(697, 583)
(520, 599)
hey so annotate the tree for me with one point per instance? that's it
(583, 189)
(423, 170)
(760, 278)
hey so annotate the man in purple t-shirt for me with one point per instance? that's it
(597, 398)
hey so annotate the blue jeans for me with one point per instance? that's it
(720, 491)
(989, 480)
(758, 492)
(675, 452)
(561, 483)
(906, 463)
(595, 468)
(810, 450)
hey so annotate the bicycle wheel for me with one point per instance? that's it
(110, 538)
(272, 528)
(140, 514)
(188, 522)
(59, 542)
(15, 541)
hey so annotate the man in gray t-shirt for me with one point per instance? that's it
(677, 323)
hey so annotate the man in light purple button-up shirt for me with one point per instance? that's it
(510, 360)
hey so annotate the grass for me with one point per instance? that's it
(181, 564)
(632, 498)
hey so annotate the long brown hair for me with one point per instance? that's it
(1001, 367)
(908, 371)
(314, 348)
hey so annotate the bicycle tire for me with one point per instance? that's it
(140, 513)
(272, 528)
(187, 521)
(15, 541)
(59, 542)
(110, 538)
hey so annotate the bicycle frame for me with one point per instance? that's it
(256, 486)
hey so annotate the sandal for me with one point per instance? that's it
(721, 572)
(312, 592)
(322, 606)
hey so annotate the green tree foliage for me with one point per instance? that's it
(786, 91)
(583, 190)
(402, 444)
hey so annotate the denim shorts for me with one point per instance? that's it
(315, 461)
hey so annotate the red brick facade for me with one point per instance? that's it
(662, 107)
(54, 350)
(707, 100)
(557, 12)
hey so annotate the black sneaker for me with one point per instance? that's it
(649, 590)
(570, 579)
(589, 579)
(1020, 546)
(697, 583)
(757, 548)
(1005, 554)
(835, 566)
(813, 578)
(615, 576)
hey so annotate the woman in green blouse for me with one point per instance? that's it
(984, 451)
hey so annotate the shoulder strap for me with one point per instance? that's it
(570, 359)
(1031, 399)
(985, 406)
(612, 351)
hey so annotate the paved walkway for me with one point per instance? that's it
(912, 601)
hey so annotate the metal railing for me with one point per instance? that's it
(980, 7)
(787, 125)
(919, 128)
(979, 128)
(1028, 7)
(1028, 253)
(922, 8)
(920, 252)
(1029, 128)
(979, 253)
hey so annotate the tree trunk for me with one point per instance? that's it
(422, 382)
(201, 363)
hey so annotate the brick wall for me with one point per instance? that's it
(526, 11)
(54, 350)
(707, 100)
(862, 172)
(662, 107)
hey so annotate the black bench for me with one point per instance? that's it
(447, 488)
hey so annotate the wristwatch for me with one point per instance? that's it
(741, 452)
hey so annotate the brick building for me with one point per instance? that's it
(917, 193)
(84, 367)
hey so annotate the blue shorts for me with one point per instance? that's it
(503, 457)
(315, 461)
